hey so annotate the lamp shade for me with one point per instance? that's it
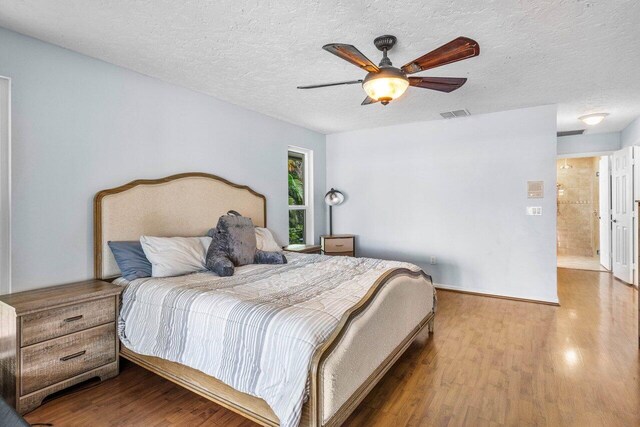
(386, 85)
(333, 197)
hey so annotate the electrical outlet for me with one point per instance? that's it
(434, 261)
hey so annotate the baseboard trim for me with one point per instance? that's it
(489, 295)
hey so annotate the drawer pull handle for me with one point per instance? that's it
(339, 246)
(73, 319)
(73, 356)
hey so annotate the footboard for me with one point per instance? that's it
(369, 339)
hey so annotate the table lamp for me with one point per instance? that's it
(333, 198)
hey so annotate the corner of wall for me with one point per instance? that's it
(631, 134)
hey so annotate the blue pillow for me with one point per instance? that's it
(131, 259)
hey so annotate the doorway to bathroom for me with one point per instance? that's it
(596, 213)
(583, 211)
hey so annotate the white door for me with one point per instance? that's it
(622, 214)
(604, 211)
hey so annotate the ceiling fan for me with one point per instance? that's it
(384, 82)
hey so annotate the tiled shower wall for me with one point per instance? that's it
(577, 188)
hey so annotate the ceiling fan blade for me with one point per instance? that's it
(368, 101)
(442, 84)
(351, 54)
(456, 50)
(351, 82)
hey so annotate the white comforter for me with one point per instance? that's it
(255, 331)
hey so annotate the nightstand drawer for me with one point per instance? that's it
(338, 245)
(45, 325)
(59, 359)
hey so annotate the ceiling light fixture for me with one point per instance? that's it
(593, 119)
(386, 85)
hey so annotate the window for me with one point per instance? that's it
(300, 188)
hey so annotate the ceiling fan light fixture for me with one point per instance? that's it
(385, 86)
(593, 119)
(384, 82)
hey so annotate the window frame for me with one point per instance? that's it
(307, 158)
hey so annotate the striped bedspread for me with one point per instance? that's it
(255, 331)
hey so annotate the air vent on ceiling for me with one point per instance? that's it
(454, 114)
(571, 132)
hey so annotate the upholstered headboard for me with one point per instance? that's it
(187, 204)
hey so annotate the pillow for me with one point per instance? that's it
(131, 260)
(175, 256)
(265, 240)
(263, 257)
(235, 238)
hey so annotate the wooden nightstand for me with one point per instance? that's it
(338, 244)
(56, 337)
(305, 249)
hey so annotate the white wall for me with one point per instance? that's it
(5, 185)
(81, 125)
(631, 134)
(454, 189)
(592, 144)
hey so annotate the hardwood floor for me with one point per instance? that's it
(491, 362)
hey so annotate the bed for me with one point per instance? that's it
(388, 312)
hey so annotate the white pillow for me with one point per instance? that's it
(265, 241)
(175, 256)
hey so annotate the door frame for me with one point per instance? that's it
(5, 185)
(609, 265)
(635, 181)
(636, 192)
(588, 154)
(593, 154)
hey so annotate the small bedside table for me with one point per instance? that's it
(56, 337)
(338, 244)
(305, 249)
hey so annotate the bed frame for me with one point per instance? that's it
(399, 306)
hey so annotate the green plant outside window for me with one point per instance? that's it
(296, 198)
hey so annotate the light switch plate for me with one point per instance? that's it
(534, 210)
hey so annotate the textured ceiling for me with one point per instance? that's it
(580, 54)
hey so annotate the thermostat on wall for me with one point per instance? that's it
(535, 189)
